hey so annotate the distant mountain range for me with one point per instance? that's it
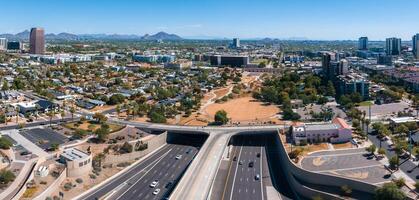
(24, 36)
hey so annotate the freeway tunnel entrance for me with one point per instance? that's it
(249, 169)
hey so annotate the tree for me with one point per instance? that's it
(50, 114)
(100, 118)
(381, 151)
(72, 111)
(394, 162)
(118, 110)
(116, 99)
(126, 148)
(53, 146)
(401, 129)
(371, 149)
(389, 191)
(5, 86)
(400, 182)
(6, 176)
(5, 143)
(295, 153)
(157, 117)
(102, 133)
(220, 117)
(330, 90)
(417, 186)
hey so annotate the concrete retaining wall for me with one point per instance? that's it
(154, 143)
(293, 172)
(53, 187)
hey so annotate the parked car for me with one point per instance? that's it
(251, 164)
(257, 177)
(178, 157)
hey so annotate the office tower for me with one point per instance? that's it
(3, 44)
(329, 65)
(37, 41)
(393, 46)
(14, 45)
(385, 60)
(343, 67)
(363, 43)
(236, 43)
(416, 45)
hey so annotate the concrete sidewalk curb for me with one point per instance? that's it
(117, 174)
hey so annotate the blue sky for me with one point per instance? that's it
(314, 19)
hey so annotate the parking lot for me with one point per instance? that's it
(385, 111)
(353, 163)
(43, 137)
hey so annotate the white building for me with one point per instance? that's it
(336, 132)
(3, 44)
(78, 163)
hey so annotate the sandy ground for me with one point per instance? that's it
(244, 109)
(102, 108)
(343, 146)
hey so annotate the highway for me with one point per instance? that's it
(161, 166)
(236, 177)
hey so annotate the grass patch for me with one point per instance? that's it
(365, 103)
(92, 126)
(30, 192)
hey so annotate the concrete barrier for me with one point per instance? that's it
(152, 144)
(54, 186)
(295, 174)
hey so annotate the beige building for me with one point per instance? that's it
(78, 163)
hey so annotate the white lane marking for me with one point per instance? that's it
(157, 162)
(352, 168)
(261, 173)
(235, 173)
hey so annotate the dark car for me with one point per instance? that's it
(235, 158)
(168, 185)
(258, 155)
(251, 164)
(188, 151)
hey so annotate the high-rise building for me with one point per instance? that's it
(236, 43)
(329, 64)
(14, 45)
(343, 67)
(415, 40)
(363, 43)
(393, 46)
(37, 41)
(3, 44)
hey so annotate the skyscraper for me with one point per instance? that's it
(363, 43)
(236, 43)
(3, 44)
(393, 46)
(329, 65)
(37, 41)
(416, 45)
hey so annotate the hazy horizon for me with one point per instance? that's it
(314, 20)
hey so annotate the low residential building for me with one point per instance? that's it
(78, 163)
(401, 120)
(336, 132)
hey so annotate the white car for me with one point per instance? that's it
(178, 157)
(154, 183)
(156, 191)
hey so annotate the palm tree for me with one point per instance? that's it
(50, 114)
(17, 109)
(72, 111)
(62, 115)
(118, 110)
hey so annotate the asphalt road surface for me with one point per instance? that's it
(162, 166)
(241, 182)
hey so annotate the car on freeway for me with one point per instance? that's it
(251, 164)
(257, 177)
(240, 162)
(258, 155)
(235, 158)
(188, 151)
(154, 183)
(156, 191)
(178, 157)
(168, 185)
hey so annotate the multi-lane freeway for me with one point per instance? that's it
(162, 166)
(246, 173)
